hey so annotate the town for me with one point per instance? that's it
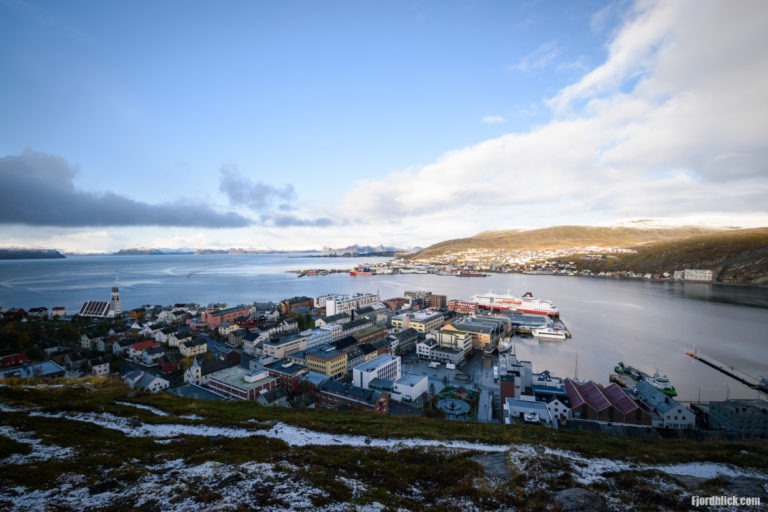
(479, 262)
(421, 354)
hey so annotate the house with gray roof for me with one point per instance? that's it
(668, 413)
(138, 379)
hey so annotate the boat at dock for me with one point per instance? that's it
(361, 271)
(661, 382)
(627, 370)
(465, 273)
(627, 376)
(548, 333)
(525, 304)
(505, 344)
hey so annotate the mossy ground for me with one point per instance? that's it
(410, 478)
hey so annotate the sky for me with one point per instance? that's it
(302, 124)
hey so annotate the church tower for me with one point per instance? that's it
(114, 307)
(194, 374)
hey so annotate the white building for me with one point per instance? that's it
(693, 274)
(138, 379)
(335, 304)
(385, 366)
(317, 337)
(529, 411)
(410, 387)
(457, 340)
(558, 410)
(336, 330)
(167, 317)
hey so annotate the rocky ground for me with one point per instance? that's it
(130, 455)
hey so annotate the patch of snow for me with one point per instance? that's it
(162, 431)
(179, 487)
(8, 408)
(587, 470)
(706, 470)
(192, 417)
(296, 436)
(291, 435)
(40, 452)
(153, 410)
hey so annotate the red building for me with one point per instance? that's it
(13, 359)
(213, 319)
(462, 306)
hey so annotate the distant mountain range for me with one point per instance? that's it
(29, 254)
(377, 250)
(372, 250)
(143, 251)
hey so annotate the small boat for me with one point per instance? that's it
(505, 344)
(548, 333)
(623, 369)
(617, 379)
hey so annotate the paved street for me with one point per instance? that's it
(479, 367)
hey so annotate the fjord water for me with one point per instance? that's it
(648, 325)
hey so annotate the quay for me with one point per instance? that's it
(735, 373)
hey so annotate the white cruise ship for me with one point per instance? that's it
(525, 304)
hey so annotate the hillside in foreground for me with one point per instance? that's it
(562, 237)
(739, 256)
(92, 444)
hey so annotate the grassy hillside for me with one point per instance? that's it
(733, 256)
(93, 444)
(561, 237)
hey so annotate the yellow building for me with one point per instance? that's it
(328, 361)
(422, 322)
(486, 330)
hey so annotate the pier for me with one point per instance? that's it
(735, 373)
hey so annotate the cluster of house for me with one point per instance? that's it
(542, 397)
(352, 358)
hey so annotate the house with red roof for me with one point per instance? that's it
(135, 350)
(610, 404)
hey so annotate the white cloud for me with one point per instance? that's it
(540, 58)
(493, 119)
(672, 123)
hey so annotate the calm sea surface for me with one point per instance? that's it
(648, 325)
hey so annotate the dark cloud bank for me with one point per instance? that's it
(38, 189)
